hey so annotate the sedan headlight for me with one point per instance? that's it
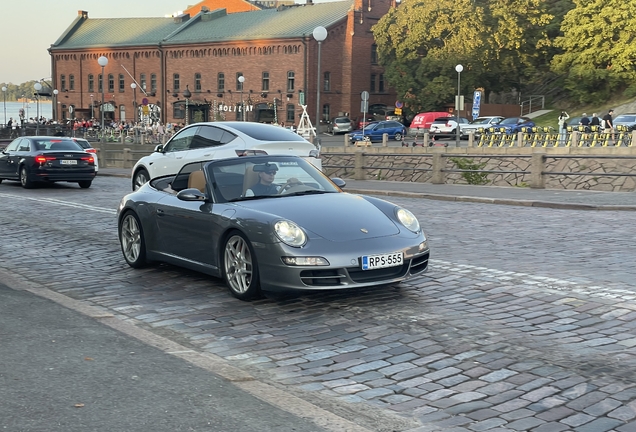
(408, 219)
(290, 233)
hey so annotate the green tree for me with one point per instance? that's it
(599, 48)
(420, 42)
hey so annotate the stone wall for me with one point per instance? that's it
(603, 168)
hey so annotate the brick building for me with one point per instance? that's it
(187, 68)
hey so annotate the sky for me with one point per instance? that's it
(29, 27)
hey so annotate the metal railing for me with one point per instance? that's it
(536, 102)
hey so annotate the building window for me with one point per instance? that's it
(326, 84)
(291, 113)
(63, 82)
(111, 83)
(71, 82)
(291, 76)
(265, 80)
(381, 83)
(153, 83)
(122, 113)
(100, 83)
(122, 83)
(220, 82)
(176, 84)
(91, 83)
(326, 110)
(374, 54)
(239, 85)
(197, 82)
(372, 86)
(142, 81)
(178, 110)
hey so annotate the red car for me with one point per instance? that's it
(365, 121)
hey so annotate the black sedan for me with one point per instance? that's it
(270, 223)
(40, 159)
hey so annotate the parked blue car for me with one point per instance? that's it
(514, 124)
(374, 131)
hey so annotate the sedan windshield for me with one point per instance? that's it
(508, 121)
(480, 121)
(255, 177)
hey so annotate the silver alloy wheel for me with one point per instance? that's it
(238, 264)
(130, 238)
(141, 178)
(398, 136)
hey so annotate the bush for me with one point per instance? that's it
(472, 178)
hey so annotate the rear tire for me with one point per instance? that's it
(240, 269)
(85, 184)
(398, 137)
(132, 241)
(24, 179)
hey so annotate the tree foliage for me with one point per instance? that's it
(497, 41)
(598, 48)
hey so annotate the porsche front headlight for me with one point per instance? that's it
(408, 219)
(290, 233)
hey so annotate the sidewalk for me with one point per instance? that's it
(553, 198)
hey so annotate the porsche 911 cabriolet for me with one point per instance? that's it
(271, 223)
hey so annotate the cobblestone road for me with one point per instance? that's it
(526, 320)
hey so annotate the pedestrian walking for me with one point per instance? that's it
(585, 122)
(595, 121)
(608, 125)
(563, 126)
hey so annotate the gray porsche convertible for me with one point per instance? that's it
(270, 223)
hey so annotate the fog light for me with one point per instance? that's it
(423, 246)
(305, 261)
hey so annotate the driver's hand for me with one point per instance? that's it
(293, 181)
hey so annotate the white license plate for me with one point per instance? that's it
(68, 162)
(372, 262)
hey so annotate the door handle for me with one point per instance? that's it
(160, 212)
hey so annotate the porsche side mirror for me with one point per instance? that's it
(191, 194)
(159, 148)
(339, 182)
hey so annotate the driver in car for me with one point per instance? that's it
(266, 176)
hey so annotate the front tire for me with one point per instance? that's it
(24, 178)
(141, 177)
(240, 270)
(398, 137)
(85, 184)
(131, 238)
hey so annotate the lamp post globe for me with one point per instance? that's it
(320, 34)
(37, 86)
(102, 61)
(133, 86)
(459, 68)
(4, 93)
(241, 79)
(187, 95)
(54, 107)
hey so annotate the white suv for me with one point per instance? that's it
(480, 122)
(218, 140)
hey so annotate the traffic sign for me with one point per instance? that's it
(364, 95)
(364, 106)
(398, 111)
(399, 104)
(144, 101)
(476, 104)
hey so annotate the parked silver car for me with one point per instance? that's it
(339, 125)
(480, 122)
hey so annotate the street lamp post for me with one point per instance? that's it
(187, 95)
(102, 61)
(133, 86)
(4, 92)
(241, 79)
(459, 68)
(92, 108)
(320, 34)
(37, 86)
(54, 107)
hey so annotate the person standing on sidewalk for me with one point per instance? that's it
(563, 126)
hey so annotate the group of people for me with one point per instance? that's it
(15, 125)
(606, 123)
(157, 130)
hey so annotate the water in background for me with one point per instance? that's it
(30, 110)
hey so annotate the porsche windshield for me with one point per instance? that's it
(258, 177)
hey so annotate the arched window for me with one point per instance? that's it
(91, 83)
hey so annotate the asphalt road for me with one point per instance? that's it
(525, 321)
